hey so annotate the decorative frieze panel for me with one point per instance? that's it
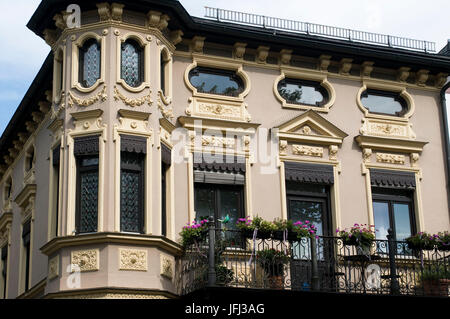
(386, 128)
(53, 268)
(133, 102)
(390, 158)
(99, 97)
(167, 266)
(86, 260)
(306, 150)
(215, 141)
(227, 110)
(133, 259)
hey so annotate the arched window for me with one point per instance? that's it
(216, 81)
(164, 70)
(132, 63)
(89, 63)
(384, 102)
(304, 92)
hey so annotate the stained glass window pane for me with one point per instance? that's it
(131, 64)
(130, 211)
(204, 202)
(302, 92)
(89, 201)
(90, 63)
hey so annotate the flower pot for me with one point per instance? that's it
(291, 236)
(436, 287)
(247, 233)
(276, 282)
(443, 247)
(420, 246)
(349, 241)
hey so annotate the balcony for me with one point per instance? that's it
(231, 258)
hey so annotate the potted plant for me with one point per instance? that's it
(305, 229)
(285, 229)
(436, 281)
(224, 275)
(421, 241)
(358, 235)
(443, 241)
(194, 233)
(248, 226)
(273, 262)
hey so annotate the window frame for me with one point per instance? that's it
(26, 256)
(232, 74)
(402, 197)
(141, 171)
(142, 65)
(83, 49)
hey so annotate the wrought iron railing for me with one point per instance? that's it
(319, 30)
(230, 259)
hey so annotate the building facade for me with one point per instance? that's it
(143, 118)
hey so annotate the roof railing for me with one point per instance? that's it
(319, 30)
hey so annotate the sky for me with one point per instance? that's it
(23, 52)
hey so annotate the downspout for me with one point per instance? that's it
(446, 136)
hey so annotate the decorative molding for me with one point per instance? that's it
(403, 74)
(50, 37)
(285, 56)
(100, 96)
(390, 158)
(345, 66)
(283, 147)
(422, 77)
(164, 106)
(367, 68)
(132, 259)
(262, 52)
(176, 36)
(441, 79)
(239, 50)
(380, 127)
(132, 102)
(367, 155)
(332, 152)
(306, 150)
(390, 144)
(197, 44)
(311, 75)
(217, 141)
(156, 19)
(167, 266)
(53, 268)
(324, 62)
(87, 260)
(414, 159)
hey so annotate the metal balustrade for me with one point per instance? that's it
(229, 258)
(318, 30)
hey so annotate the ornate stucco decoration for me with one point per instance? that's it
(262, 52)
(132, 259)
(88, 120)
(99, 97)
(441, 79)
(207, 105)
(156, 19)
(5, 228)
(53, 268)
(239, 50)
(390, 158)
(26, 199)
(306, 135)
(422, 77)
(311, 75)
(306, 150)
(87, 260)
(214, 141)
(109, 12)
(403, 74)
(197, 44)
(285, 56)
(176, 36)
(133, 102)
(345, 66)
(164, 106)
(167, 266)
(324, 62)
(367, 68)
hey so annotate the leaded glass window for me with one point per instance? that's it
(216, 81)
(132, 192)
(90, 63)
(303, 92)
(87, 210)
(132, 65)
(383, 102)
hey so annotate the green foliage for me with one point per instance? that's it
(195, 232)
(436, 273)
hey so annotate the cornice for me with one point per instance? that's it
(111, 238)
(27, 192)
(35, 290)
(189, 122)
(135, 115)
(391, 144)
(111, 292)
(5, 220)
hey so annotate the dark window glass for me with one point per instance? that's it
(382, 102)
(304, 92)
(132, 192)
(61, 74)
(4, 264)
(87, 194)
(132, 67)
(393, 209)
(216, 81)
(163, 199)
(219, 201)
(56, 163)
(29, 160)
(8, 189)
(26, 241)
(90, 63)
(163, 74)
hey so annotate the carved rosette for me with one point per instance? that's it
(133, 259)
(87, 260)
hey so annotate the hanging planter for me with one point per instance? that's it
(421, 241)
(361, 236)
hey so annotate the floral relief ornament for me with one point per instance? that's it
(132, 102)
(101, 96)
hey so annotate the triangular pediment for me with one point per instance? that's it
(311, 126)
